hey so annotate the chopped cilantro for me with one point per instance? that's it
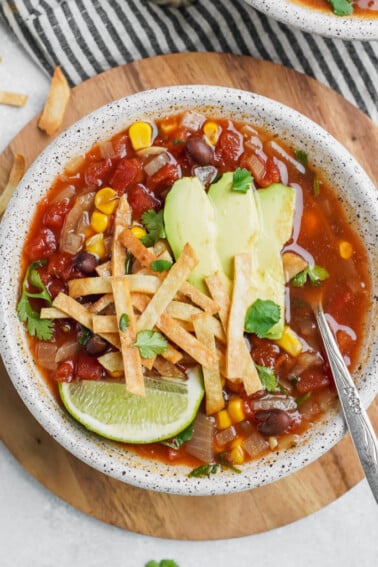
(124, 322)
(316, 186)
(150, 343)
(261, 316)
(341, 7)
(315, 275)
(84, 335)
(162, 563)
(161, 265)
(267, 377)
(302, 399)
(178, 141)
(301, 156)
(41, 328)
(204, 470)
(154, 224)
(241, 180)
(129, 263)
(176, 442)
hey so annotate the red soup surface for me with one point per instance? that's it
(75, 236)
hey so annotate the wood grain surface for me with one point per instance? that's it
(151, 513)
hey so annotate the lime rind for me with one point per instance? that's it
(106, 408)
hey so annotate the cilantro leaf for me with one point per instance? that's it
(267, 377)
(150, 343)
(315, 275)
(261, 316)
(341, 7)
(124, 322)
(162, 563)
(316, 186)
(204, 470)
(154, 224)
(242, 180)
(161, 265)
(301, 156)
(176, 442)
(35, 326)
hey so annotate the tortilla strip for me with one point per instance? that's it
(187, 342)
(53, 113)
(13, 99)
(198, 298)
(166, 368)
(239, 363)
(130, 354)
(168, 288)
(220, 295)
(137, 249)
(104, 324)
(104, 269)
(98, 285)
(102, 303)
(211, 374)
(16, 173)
(81, 314)
(122, 220)
(52, 313)
(112, 362)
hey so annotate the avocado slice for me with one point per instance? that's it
(276, 206)
(237, 221)
(189, 216)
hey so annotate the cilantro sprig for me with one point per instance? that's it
(242, 180)
(154, 224)
(213, 468)
(261, 316)
(341, 7)
(315, 274)
(161, 265)
(150, 343)
(180, 439)
(267, 377)
(41, 328)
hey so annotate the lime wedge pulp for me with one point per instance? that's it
(106, 408)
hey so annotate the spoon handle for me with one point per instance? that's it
(358, 422)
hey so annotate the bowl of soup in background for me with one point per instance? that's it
(316, 16)
(325, 155)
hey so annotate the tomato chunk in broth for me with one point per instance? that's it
(72, 239)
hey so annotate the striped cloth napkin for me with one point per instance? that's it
(86, 37)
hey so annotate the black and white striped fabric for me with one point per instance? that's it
(86, 37)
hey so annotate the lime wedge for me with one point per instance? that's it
(106, 408)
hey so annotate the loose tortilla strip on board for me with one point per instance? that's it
(53, 112)
(12, 99)
(16, 174)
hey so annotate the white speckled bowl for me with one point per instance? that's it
(343, 173)
(317, 21)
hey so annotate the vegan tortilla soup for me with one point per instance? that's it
(360, 8)
(167, 286)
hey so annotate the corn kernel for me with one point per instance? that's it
(106, 200)
(140, 135)
(96, 245)
(138, 231)
(99, 221)
(237, 455)
(345, 249)
(116, 373)
(223, 419)
(235, 410)
(290, 342)
(212, 132)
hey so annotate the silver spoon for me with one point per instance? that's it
(357, 420)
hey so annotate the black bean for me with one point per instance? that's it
(96, 345)
(272, 422)
(199, 150)
(86, 262)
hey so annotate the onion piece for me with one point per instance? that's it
(192, 120)
(71, 240)
(256, 166)
(255, 445)
(156, 163)
(45, 353)
(201, 444)
(304, 361)
(206, 174)
(151, 151)
(74, 164)
(66, 350)
(106, 149)
(268, 402)
(65, 194)
(282, 153)
(224, 437)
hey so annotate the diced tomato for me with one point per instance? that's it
(65, 371)
(229, 148)
(97, 172)
(272, 174)
(55, 214)
(141, 200)
(88, 367)
(164, 178)
(55, 286)
(264, 171)
(42, 245)
(264, 352)
(61, 266)
(127, 172)
(312, 379)
(121, 146)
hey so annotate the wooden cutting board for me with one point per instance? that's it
(151, 513)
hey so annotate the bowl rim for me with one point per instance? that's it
(317, 21)
(86, 446)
